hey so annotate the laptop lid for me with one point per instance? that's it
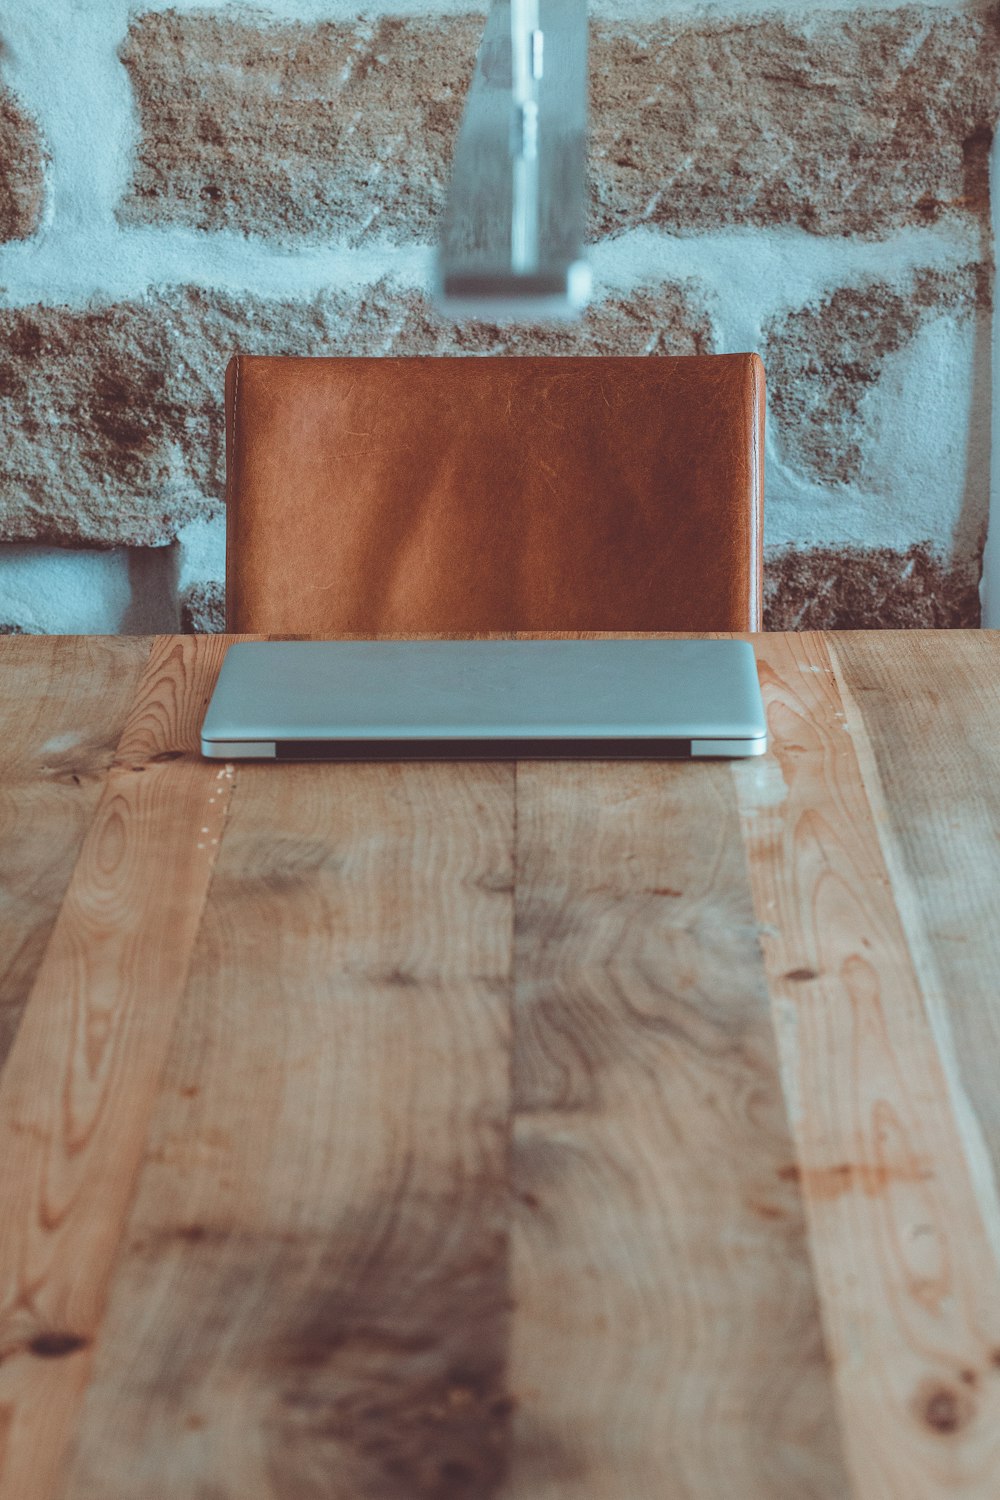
(397, 700)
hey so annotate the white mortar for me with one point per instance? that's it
(60, 591)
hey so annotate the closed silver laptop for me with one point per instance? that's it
(485, 700)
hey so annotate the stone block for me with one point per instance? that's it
(668, 318)
(22, 170)
(841, 122)
(824, 360)
(853, 588)
(337, 130)
(113, 413)
(804, 589)
(203, 609)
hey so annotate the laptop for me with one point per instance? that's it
(485, 700)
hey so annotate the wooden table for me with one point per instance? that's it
(539, 1132)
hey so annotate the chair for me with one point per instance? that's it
(472, 496)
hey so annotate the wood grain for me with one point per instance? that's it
(420, 1131)
(667, 1337)
(65, 701)
(80, 1081)
(312, 1301)
(907, 1278)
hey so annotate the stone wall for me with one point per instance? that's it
(178, 181)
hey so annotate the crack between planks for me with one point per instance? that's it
(975, 1149)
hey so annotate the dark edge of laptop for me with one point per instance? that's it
(484, 749)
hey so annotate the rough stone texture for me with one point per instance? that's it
(812, 589)
(852, 122)
(823, 360)
(331, 130)
(22, 170)
(113, 415)
(671, 318)
(203, 608)
(869, 589)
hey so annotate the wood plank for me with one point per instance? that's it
(81, 1078)
(666, 1340)
(924, 712)
(906, 1273)
(312, 1300)
(63, 705)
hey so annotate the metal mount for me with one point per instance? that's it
(512, 237)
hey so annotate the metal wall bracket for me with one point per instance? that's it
(512, 235)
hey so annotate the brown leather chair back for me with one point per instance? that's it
(470, 496)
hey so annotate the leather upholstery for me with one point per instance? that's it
(471, 496)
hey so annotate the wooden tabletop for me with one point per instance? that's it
(554, 1131)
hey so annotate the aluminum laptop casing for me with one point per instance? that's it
(495, 700)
